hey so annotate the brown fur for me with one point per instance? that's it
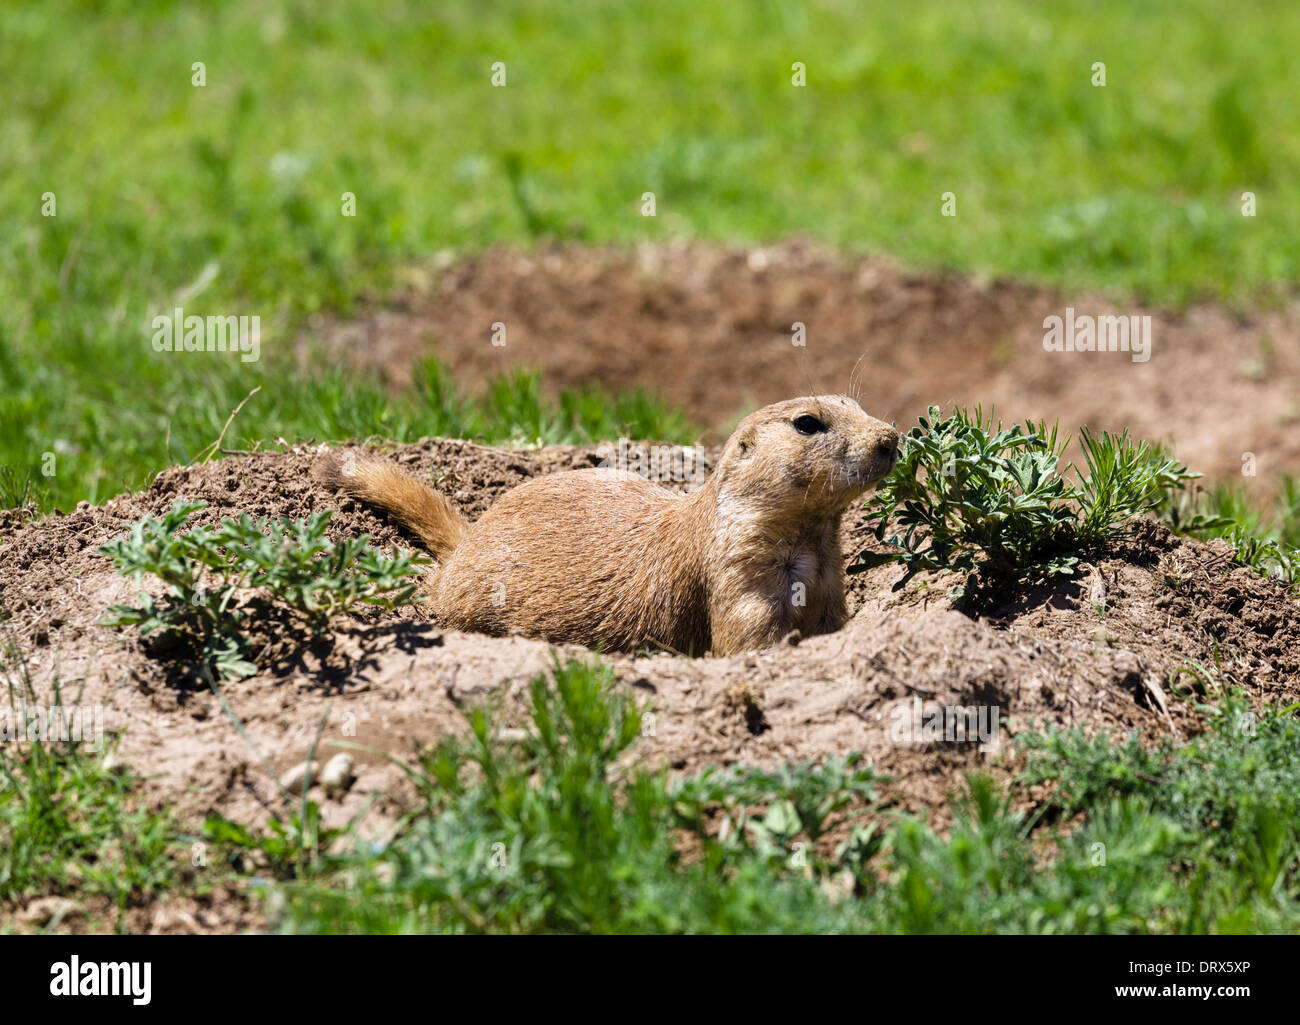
(608, 560)
(414, 505)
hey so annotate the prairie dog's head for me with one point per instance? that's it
(814, 454)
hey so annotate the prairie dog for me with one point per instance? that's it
(584, 556)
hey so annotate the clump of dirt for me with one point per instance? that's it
(1102, 650)
(713, 329)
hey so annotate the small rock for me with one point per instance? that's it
(336, 777)
(840, 886)
(167, 920)
(294, 779)
(44, 910)
(511, 735)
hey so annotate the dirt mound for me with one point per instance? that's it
(1097, 651)
(710, 329)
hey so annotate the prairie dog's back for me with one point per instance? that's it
(582, 556)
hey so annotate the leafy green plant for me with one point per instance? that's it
(974, 496)
(1268, 541)
(204, 569)
(284, 849)
(802, 800)
(1266, 555)
(1124, 479)
(1225, 808)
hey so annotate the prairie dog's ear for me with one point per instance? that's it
(740, 446)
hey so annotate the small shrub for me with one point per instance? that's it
(309, 576)
(802, 801)
(974, 496)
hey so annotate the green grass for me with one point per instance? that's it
(330, 406)
(232, 192)
(72, 828)
(563, 832)
(544, 838)
(71, 823)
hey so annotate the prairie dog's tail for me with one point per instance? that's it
(414, 505)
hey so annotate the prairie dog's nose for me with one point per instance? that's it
(887, 447)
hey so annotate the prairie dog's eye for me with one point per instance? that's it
(809, 424)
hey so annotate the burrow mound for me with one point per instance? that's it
(1041, 655)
